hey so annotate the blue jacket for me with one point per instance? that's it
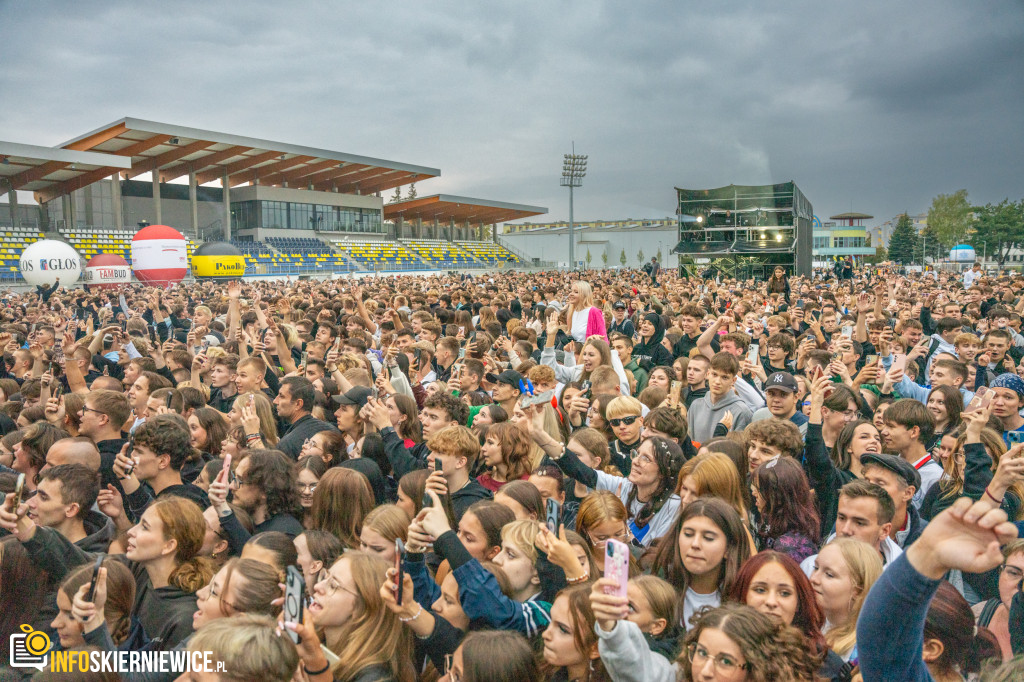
(888, 652)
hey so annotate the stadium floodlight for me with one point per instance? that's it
(574, 168)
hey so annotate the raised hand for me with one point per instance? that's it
(966, 537)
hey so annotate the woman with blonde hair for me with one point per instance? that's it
(522, 416)
(973, 468)
(594, 353)
(381, 527)
(367, 637)
(584, 318)
(341, 501)
(242, 414)
(601, 517)
(844, 571)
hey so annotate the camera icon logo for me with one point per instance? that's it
(30, 648)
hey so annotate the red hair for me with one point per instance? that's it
(808, 618)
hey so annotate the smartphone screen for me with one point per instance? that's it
(616, 566)
(294, 595)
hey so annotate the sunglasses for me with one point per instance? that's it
(623, 420)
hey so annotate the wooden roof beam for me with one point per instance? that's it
(264, 173)
(236, 167)
(155, 162)
(201, 163)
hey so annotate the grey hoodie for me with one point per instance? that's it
(703, 416)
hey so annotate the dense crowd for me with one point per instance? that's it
(611, 475)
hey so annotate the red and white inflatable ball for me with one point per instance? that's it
(159, 255)
(107, 271)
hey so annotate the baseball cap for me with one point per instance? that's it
(783, 381)
(509, 376)
(895, 464)
(619, 305)
(357, 395)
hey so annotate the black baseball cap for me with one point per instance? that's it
(357, 395)
(619, 305)
(895, 464)
(783, 381)
(509, 376)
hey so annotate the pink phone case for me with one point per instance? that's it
(616, 566)
(899, 362)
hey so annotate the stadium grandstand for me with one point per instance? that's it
(290, 209)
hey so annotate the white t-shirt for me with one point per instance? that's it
(694, 602)
(579, 324)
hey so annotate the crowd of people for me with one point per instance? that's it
(617, 475)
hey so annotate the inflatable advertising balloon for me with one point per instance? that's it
(107, 271)
(46, 261)
(159, 255)
(217, 260)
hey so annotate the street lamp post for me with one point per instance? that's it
(574, 168)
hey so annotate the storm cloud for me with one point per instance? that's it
(875, 106)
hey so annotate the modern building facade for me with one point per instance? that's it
(842, 235)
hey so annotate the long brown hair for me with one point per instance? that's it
(583, 634)
(373, 635)
(668, 562)
(120, 595)
(341, 501)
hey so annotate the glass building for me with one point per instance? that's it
(288, 215)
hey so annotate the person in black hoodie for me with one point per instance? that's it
(453, 454)
(648, 351)
(63, 501)
(166, 579)
(160, 447)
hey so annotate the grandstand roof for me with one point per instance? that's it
(172, 151)
(446, 207)
(23, 166)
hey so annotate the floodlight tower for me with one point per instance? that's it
(574, 168)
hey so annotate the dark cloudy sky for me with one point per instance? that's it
(874, 105)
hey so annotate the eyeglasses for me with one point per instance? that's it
(1012, 571)
(598, 541)
(89, 409)
(453, 675)
(311, 487)
(722, 663)
(635, 456)
(333, 586)
(623, 420)
(220, 598)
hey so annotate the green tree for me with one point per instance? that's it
(949, 219)
(903, 241)
(658, 254)
(397, 196)
(604, 258)
(640, 256)
(412, 191)
(589, 257)
(622, 257)
(999, 228)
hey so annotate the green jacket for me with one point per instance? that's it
(639, 374)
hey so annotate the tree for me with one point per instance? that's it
(949, 219)
(640, 256)
(622, 257)
(604, 258)
(903, 241)
(999, 228)
(412, 191)
(589, 257)
(397, 196)
(659, 254)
